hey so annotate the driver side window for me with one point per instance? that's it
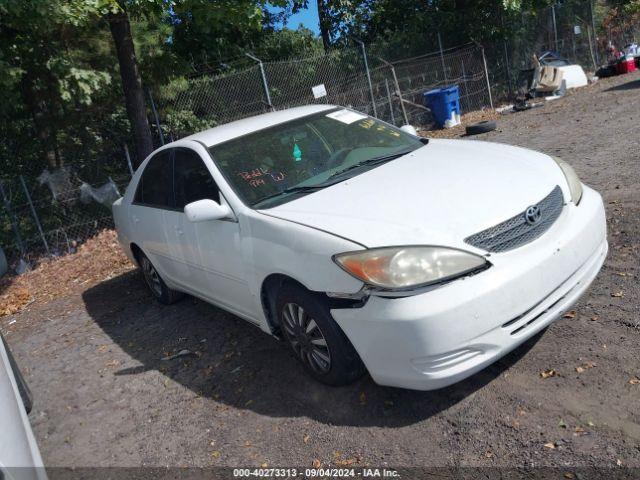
(192, 180)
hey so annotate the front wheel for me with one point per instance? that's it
(317, 340)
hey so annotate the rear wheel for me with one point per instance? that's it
(154, 281)
(315, 337)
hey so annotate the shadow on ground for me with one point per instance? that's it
(239, 365)
(625, 86)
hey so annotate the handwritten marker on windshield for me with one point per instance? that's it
(297, 153)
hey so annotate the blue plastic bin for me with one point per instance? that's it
(442, 102)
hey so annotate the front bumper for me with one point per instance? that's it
(440, 337)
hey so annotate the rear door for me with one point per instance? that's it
(154, 197)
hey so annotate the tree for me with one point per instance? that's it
(45, 77)
(325, 23)
(131, 81)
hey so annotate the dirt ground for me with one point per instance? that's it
(104, 396)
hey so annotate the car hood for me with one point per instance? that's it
(436, 195)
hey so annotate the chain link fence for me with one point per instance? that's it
(389, 90)
(52, 216)
(55, 214)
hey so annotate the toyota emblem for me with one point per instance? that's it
(532, 214)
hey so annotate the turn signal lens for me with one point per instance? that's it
(575, 186)
(407, 267)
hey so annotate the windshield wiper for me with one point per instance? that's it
(371, 161)
(296, 189)
(327, 182)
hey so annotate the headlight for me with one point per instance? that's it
(575, 187)
(406, 267)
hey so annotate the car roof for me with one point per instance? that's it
(229, 131)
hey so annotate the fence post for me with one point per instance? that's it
(506, 66)
(595, 36)
(591, 49)
(366, 67)
(398, 92)
(35, 215)
(444, 68)
(486, 76)
(126, 153)
(466, 87)
(14, 224)
(393, 117)
(265, 85)
(555, 26)
(155, 116)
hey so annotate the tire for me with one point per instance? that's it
(316, 339)
(481, 127)
(156, 284)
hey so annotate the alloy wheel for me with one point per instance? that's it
(306, 338)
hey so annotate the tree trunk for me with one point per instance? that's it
(131, 84)
(325, 24)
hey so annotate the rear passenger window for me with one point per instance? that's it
(192, 180)
(154, 188)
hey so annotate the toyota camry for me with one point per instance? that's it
(362, 246)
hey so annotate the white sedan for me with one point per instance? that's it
(19, 454)
(364, 247)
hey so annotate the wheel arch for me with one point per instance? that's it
(269, 290)
(135, 251)
(273, 283)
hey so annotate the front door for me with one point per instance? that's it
(211, 250)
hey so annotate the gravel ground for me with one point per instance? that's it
(104, 396)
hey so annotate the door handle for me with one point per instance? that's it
(135, 219)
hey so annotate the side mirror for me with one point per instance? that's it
(205, 210)
(410, 129)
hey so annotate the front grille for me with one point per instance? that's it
(516, 232)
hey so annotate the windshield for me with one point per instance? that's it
(280, 163)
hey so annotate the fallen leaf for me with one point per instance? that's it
(264, 465)
(585, 366)
(618, 294)
(550, 445)
(634, 381)
(619, 462)
(316, 463)
(215, 454)
(571, 314)
(488, 454)
(594, 318)
(305, 439)
(346, 462)
(591, 424)
(579, 431)
(569, 476)
(561, 424)
(548, 373)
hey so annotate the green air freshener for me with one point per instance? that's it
(297, 153)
